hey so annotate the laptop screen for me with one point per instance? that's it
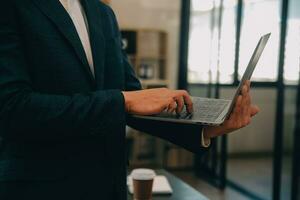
(250, 68)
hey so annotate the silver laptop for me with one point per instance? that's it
(209, 111)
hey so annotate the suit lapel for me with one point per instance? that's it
(58, 15)
(97, 38)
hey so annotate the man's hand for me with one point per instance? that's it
(239, 118)
(154, 101)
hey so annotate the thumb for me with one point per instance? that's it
(254, 110)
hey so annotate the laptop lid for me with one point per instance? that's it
(250, 68)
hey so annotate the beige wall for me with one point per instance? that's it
(153, 14)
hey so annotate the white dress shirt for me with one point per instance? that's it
(78, 16)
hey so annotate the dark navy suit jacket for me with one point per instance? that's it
(62, 130)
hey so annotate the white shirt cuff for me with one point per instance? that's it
(204, 142)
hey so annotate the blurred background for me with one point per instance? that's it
(204, 46)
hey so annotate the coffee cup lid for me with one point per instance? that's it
(143, 174)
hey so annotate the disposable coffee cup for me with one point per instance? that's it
(142, 183)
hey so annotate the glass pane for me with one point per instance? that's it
(227, 42)
(200, 41)
(288, 133)
(206, 52)
(260, 17)
(250, 150)
(291, 76)
(292, 54)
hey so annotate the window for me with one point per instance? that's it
(200, 41)
(227, 42)
(292, 48)
(209, 54)
(260, 17)
(206, 51)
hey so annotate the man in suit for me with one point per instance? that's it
(66, 95)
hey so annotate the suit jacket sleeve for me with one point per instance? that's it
(187, 136)
(29, 115)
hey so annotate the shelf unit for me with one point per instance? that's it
(147, 52)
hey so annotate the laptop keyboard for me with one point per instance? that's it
(207, 110)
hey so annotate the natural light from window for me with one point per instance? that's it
(206, 52)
